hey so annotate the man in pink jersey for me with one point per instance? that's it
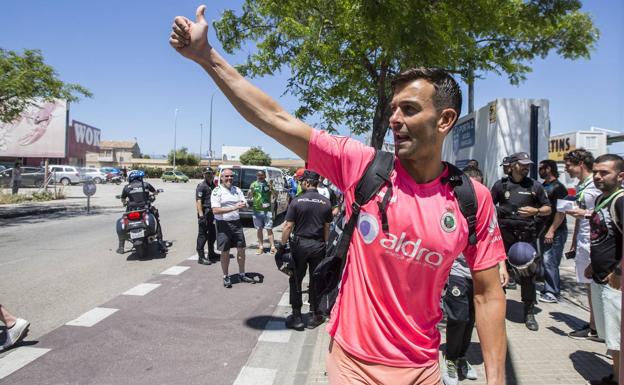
(383, 325)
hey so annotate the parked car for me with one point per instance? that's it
(92, 173)
(174, 176)
(245, 175)
(31, 177)
(64, 174)
(110, 170)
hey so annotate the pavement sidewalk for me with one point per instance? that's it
(545, 357)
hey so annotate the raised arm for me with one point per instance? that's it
(190, 39)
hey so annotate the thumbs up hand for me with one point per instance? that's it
(190, 38)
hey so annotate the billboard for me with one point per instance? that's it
(82, 138)
(41, 132)
(560, 145)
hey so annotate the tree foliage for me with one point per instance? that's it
(256, 157)
(183, 157)
(342, 54)
(25, 78)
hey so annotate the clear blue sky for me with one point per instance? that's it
(119, 50)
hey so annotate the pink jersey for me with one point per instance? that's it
(389, 301)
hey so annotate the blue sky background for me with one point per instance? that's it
(119, 50)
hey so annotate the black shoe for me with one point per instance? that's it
(214, 258)
(245, 278)
(204, 261)
(531, 322)
(227, 282)
(316, 320)
(608, 380)
(294, 321)
(120, 250)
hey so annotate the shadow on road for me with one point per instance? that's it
(587, 364)
(48, 217)
(260, 322)
(572, 322)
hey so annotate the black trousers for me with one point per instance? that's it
(460, 312)
(206, 233)
(527, 284)
(306, 253)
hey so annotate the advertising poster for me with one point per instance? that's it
(41, 132)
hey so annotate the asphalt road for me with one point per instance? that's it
(57, 267)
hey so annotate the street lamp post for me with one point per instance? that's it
(175, 131)
(210, 135)
(201, 139)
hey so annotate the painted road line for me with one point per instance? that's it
(192, 258)
(275, 331)
(19, 358)
(285, 300)
(175, 270)
(255, 376)
(92, 317)
(142, 289)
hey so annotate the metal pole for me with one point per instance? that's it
(210, 135)
(201, 138)
(175, 131)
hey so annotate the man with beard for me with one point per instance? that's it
(555, 232)
(383, 325)
(521, 200)
(606, 256)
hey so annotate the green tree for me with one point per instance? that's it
(255, 156)
(342, 54)
(25, 78)
(183, 157)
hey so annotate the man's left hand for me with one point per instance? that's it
(527, 211)
(548, 238)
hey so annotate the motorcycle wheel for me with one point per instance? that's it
(117, 182)
(141, 250)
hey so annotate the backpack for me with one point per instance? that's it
(328, 273)
(615, 217)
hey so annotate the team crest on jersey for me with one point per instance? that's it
(200, 194)
(448, 222)
(369, 227)
(455, 291)
(507, 194)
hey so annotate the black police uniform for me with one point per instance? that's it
(137, 192)
(310, 212)
(510, 196)
(206, 231)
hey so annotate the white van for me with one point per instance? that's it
(245, 175)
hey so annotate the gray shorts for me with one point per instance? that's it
(263, 220)
(607, 305)
(230, 234)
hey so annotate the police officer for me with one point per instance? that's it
(205, 219)
(135, 195)
(307, 219)
(521, 201)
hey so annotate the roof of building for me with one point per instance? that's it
(129, 144)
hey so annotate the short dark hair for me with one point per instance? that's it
(552, 165)
(473, 172)
(619, 162)
(447, 95)
(578, 156)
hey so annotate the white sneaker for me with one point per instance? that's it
(15, 333)
(466, 370)
(449, 372)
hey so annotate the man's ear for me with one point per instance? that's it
(447, 120)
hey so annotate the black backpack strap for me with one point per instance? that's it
(466, 197)
(376, 175)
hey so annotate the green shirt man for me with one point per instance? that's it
(261, 193)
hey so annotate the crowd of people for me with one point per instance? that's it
(383, 323)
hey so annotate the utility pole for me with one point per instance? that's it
(210, 135)
(175, 132)
(201, 139)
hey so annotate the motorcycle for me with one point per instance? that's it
(113, 178)
(140, 227)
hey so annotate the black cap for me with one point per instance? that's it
(505, 161)
(207, 170)
(311, 176)
(520, 157)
